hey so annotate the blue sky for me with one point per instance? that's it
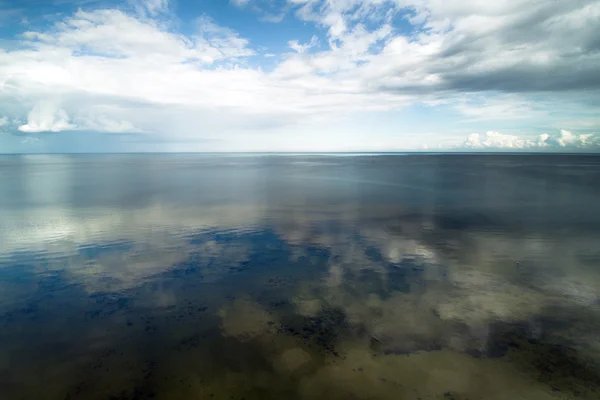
(299, 75)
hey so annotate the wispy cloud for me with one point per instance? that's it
(303, 48)
(151, 8)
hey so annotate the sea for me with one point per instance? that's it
(305, 276)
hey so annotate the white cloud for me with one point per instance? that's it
(566, 139)
(108, 55)
(113, 57)
(303, 48)
(46, 117)
(341, 62)
(3, 121)
(111, 34)
(494, 140)
(219, 42)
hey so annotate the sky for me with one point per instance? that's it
(299, 75)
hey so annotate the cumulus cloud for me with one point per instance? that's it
(565, 139)
(3, 121)
(569, 140)
(495, 140)
(46, 117)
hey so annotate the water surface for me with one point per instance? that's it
(299, 277)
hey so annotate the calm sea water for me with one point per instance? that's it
(299, 277)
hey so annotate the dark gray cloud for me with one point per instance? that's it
(543, 46)
(527, 78)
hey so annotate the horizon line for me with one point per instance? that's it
(373, 153)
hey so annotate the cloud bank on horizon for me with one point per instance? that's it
(299, 75)
(565, 140)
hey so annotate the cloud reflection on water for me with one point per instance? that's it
(333, 290)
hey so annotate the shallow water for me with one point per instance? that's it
(299, 277)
